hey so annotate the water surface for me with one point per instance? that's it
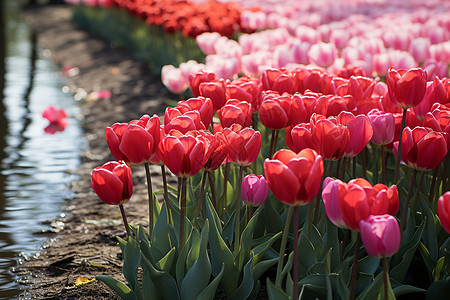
(35, 168)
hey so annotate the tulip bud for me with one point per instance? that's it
(380, 235)
(255, 190)
(112, 182)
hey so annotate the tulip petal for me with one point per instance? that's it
(107, 186)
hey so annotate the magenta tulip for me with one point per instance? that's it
(380, 235)
(255, 190)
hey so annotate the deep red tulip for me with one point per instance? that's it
(134, 142)
(112, 182)
(255, 190)
(277, 80)
(380, 235)
(360, 131)
(182, 154)
(359, 199)
(422, 148)
(444, 210)
(202, 104)
(246, 88)
(243, 144)
(406, 87)
(299, 137)
(236, 112)
(274, 110)
(215, 90)
(329, 138)
(437, 92)
(294, 178)
(383, 125)
(183, 122)
(196, 79)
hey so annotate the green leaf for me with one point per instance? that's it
(288, 266)
(308, 255)
(429, 236)
(181, 261)
(276, 293)
(371, 292)
(197, 278)
(194, 249)
(261, 249)
(120, 288)
(262, 267)
(221, 255)
(398, 272)
(407, 289)
(390, 292)
(438, 269)
(160, 235)
(245, 288)
(273, 222)
(131, 261)
(165, 264)
(427, 259)
(246, 237)
(331, 241)
(438, 289)
(149, 289)
(210, 291)
(368, 265)
(166, 284)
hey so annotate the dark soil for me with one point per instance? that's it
(86, 246)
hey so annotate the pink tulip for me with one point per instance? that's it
(206, 41)
(383, 125)
(330, 198)
(380, 235)
(360, 130)
(322, 54)
(444, 210)
(173, 79)
(255, 190)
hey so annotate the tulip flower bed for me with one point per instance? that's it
(299, 175)
(358, 206)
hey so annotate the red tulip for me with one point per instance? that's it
(182, 154)
(246, 88)
(196, 79)
(243, 144)
(274, 110)
(439, 120)
(359, 199)
(422, 148)
(215, 90)
(112, 182)
(444, 210)
(294, 178)
(329, 138)
(183, 122)
(134, 142)
(306, 79)
(406, 87)
(236, 112)
(361, 88)
(255, 190)
(299, 137)
(383, 125)
(277, 80)
(380, 235)
(437, 92)
(360, 131)
(202, 104)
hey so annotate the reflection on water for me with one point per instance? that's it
(33, 165)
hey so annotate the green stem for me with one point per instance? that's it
(354, 167)
(283, 246)
(375, 165)
(213, 190)
(364, 163)
(237, 226)
(295, 269)
(399, 152)
(166, 194)
(125, 222)
(343, 167)
(416, 196)
(223, 198)
(433, 184)
(183, 209)
(150, 199)
(383, 165)
(273, 142)
(200, 197)
(408, 197)
(385, 277)
(355, 267)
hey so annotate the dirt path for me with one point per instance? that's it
(86, 245)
